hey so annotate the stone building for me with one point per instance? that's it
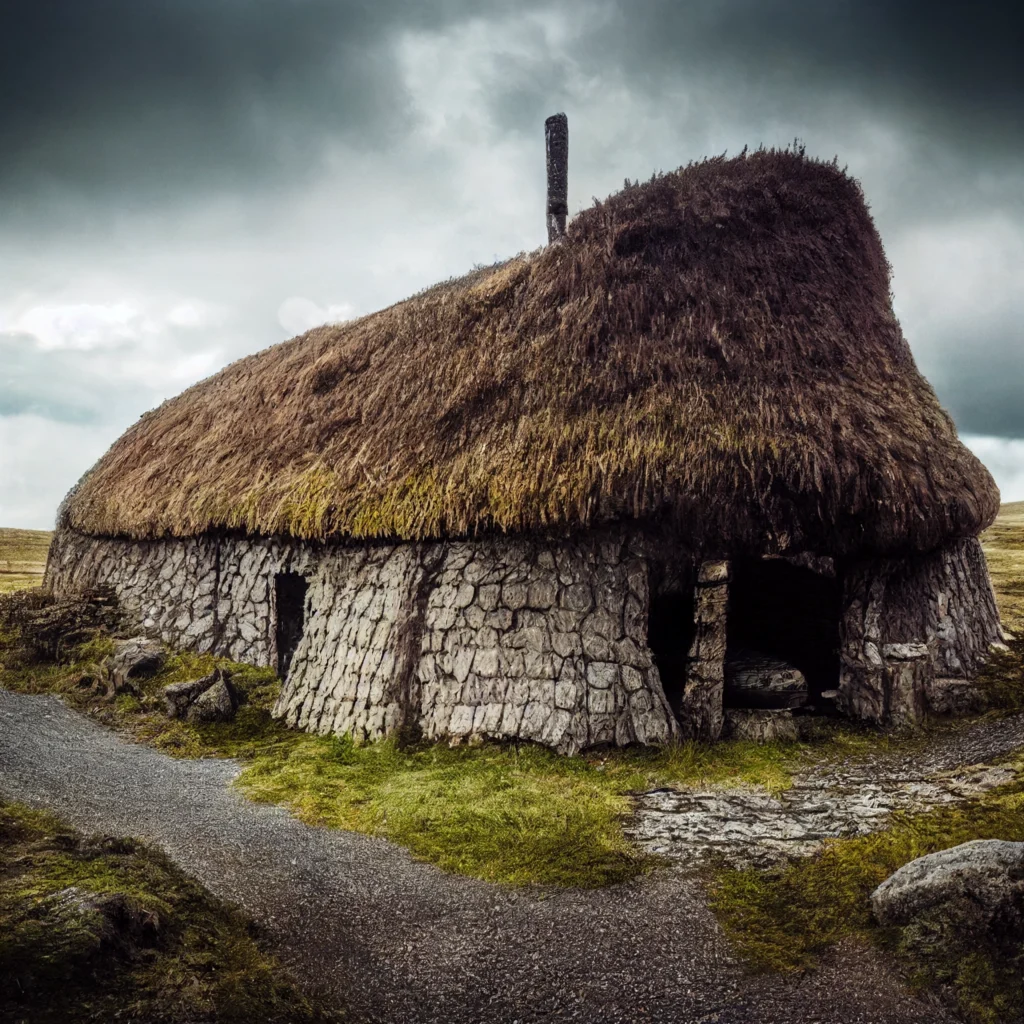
(673, 473)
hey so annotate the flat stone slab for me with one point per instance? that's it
(754, 828)
(755, 680)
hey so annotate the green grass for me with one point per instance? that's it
(200, 960)
(22, 558)
(788, 918)
(503, 813)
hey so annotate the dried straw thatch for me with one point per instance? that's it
(715, 348)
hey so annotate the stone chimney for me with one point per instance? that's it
(556, 138)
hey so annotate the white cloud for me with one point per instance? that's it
(1005, 460)
(298, 314)
(40, 461)
(79, 327)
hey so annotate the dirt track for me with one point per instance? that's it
(398, 941)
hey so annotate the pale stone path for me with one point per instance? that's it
(399, 941)
(844, 799)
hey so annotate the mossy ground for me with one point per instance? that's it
(201, 961)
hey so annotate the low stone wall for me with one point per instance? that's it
(520, 638)
(502, 638)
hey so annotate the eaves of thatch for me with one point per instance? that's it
(714, 349)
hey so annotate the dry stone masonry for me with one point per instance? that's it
(915, 632)
(522, 638)
(512, 639)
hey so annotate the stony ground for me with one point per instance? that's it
(400, 941)
(849, 798)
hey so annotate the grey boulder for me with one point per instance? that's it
(218, 703)
(978, 887)
(178, 697)
(134, 658)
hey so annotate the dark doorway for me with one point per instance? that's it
(290, 593)
(789, 613)
(670, 632)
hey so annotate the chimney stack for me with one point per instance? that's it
(556, 138)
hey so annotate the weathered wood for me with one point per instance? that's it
(701, 713)
(556, 139)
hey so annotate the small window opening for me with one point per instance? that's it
(290, 593)
(670, 632)
(781, 617)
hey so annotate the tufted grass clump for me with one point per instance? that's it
(786, 919)
(175, 954)
(502, 813)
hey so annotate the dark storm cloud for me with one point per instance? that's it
(170, 96)
(166, 96)
(952, 63)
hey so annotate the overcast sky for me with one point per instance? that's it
(186, 181)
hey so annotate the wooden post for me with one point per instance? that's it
(556, 138)
(701, 716)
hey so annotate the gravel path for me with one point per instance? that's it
(399, 941)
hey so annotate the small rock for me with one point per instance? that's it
(760, 725)
(179, 696)
(216, 704)
(755, 680)
(134, 659)
(978, 886)
(953, 696)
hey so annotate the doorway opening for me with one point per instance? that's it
(290, 600)
(670, 633)
(781, 617)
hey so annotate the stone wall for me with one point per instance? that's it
(913, 629)
(505, 638)
(520, 638)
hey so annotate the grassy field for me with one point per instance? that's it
(22, 558)
(1004, 550)
(510, 813)
(182, 956)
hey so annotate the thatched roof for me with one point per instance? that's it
(715, 348)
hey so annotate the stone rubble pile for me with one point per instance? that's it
(212, 698)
